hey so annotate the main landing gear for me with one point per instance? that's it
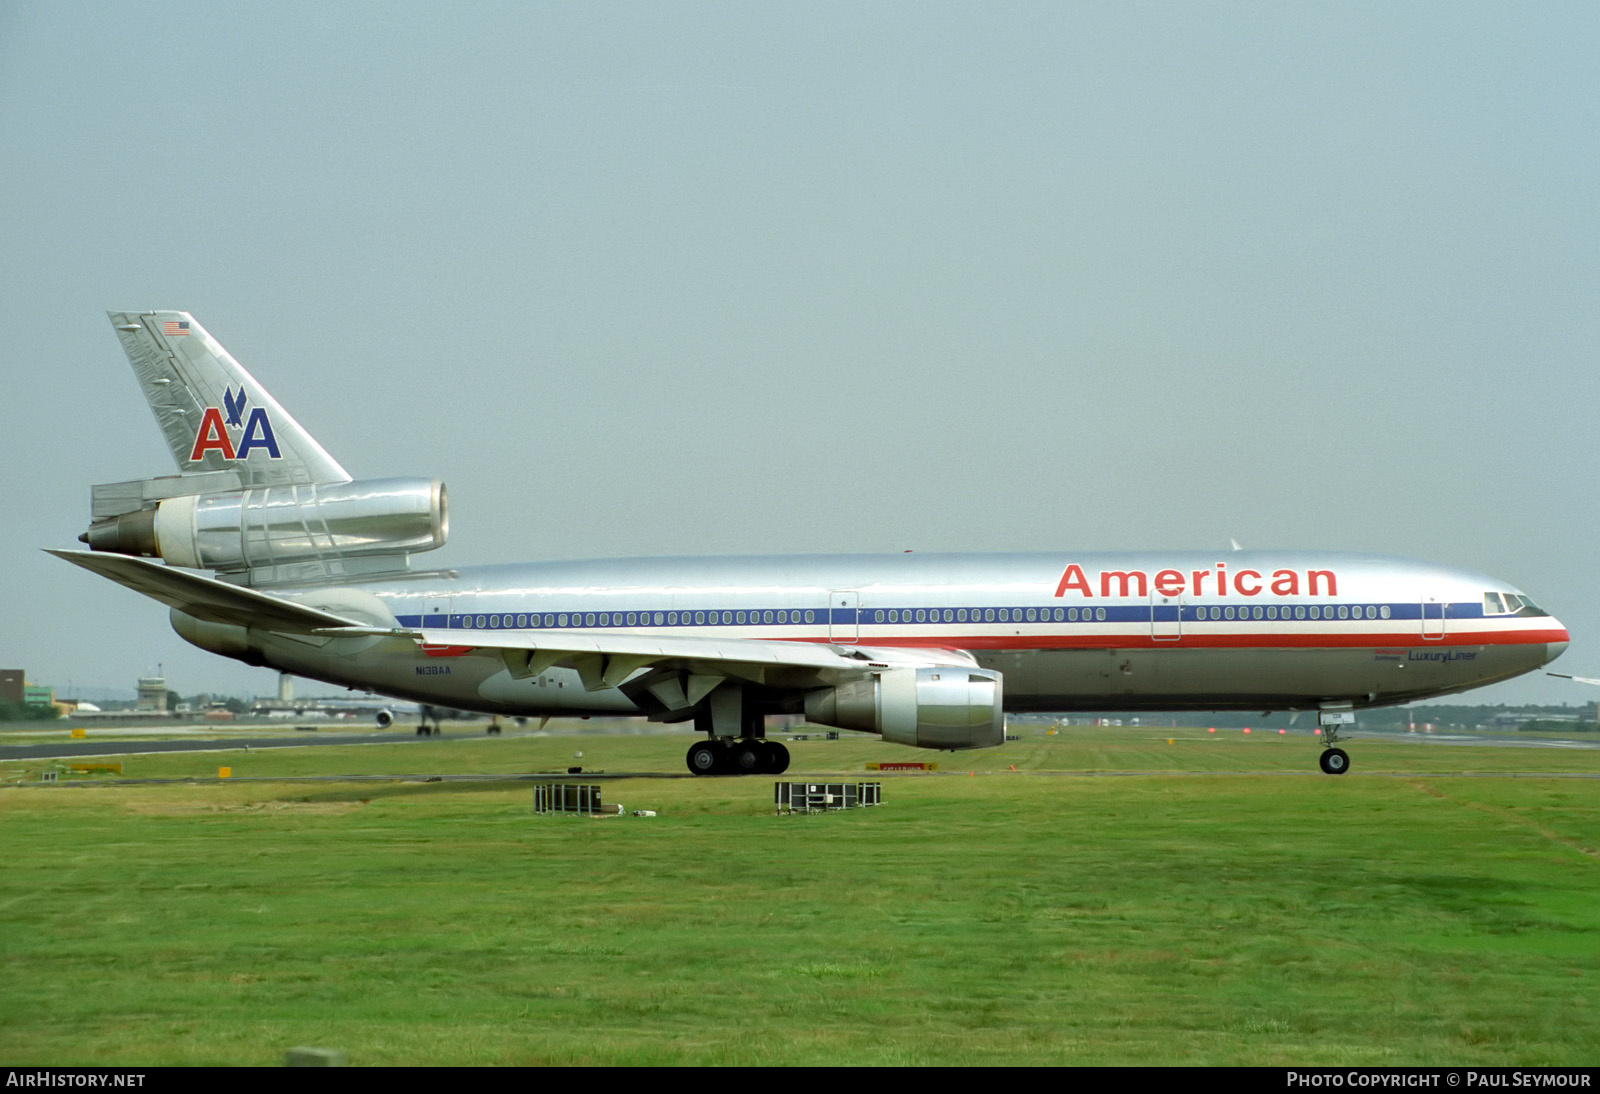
(736, 741)
(429, 714)
(725, 756)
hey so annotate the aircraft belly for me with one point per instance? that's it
(554, 691)
(468, 682)
(1105, 679)
(1035, 680)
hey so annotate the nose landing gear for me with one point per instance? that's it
(1334, 761)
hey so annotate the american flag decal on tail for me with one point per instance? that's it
(172, 327)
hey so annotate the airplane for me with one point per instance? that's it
(314, 576)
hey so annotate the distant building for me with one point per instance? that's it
(11, 684)
(1512, 719)
(152, 694)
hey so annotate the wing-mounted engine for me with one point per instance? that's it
(276, 528)
(940, 707)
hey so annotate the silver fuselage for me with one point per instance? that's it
(315, 577)
(1259, 630)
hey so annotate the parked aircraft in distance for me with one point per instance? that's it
(314, 577)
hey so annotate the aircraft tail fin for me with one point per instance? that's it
(215, 416)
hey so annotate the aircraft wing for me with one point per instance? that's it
(608, 660)
(1579, 679)
(207, 598)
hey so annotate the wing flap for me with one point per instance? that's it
(609, 659)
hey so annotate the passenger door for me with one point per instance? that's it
(844, 615)
(1432, 619)
(1166, 617)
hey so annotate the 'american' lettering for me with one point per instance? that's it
(1208, 582)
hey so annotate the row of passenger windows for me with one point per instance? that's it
(633, 619)
(903, 615)
(987, 615)
(1301, 611)
(1074, 615)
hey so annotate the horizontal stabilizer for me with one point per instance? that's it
(206, 598)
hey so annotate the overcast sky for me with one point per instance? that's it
(703, 279)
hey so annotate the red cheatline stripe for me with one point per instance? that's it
(1384, 643)
(446, 651)
(1377, 643)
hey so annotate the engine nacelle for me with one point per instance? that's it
(219, 638)
(944, 707)
(385, 719)
(270, 525)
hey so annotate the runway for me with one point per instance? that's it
(150, 742)
(63, 750)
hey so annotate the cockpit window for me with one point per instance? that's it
(1492, 605)
(1515, 603)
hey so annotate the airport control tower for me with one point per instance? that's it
(152, 693)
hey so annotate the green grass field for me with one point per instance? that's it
(1117, 899)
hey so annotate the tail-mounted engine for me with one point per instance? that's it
(943, 707)
(273, 525)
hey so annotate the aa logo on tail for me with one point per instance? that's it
(213, 434)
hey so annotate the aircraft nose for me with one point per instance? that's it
(1558, 646)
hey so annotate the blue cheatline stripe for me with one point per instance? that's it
(1112, 613)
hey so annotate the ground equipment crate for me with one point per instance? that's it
(566, 798)
(821, 797)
